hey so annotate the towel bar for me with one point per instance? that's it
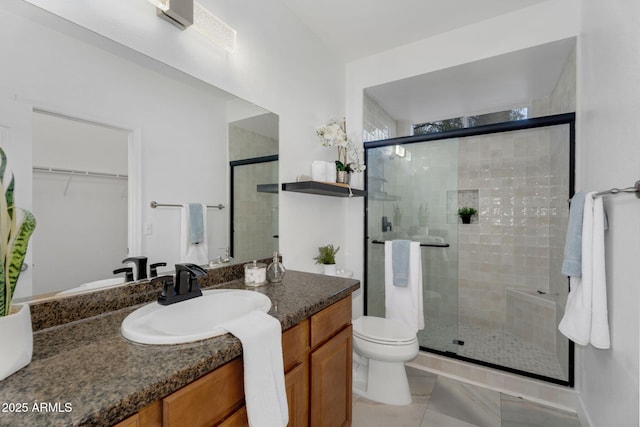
(155, 204)
(634, 189)
(433, 245)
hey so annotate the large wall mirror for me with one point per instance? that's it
(95, 132)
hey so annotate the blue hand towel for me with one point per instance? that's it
(400, 262)
(196, 223)
(572, 264)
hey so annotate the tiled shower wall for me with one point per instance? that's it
(378, 124)
(517, 236)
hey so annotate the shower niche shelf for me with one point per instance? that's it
(322, 189)
(267, 188)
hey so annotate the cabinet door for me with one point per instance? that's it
(331, 382)
(297, 385)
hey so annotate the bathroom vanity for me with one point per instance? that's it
(85, 373)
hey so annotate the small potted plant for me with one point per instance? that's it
(16, 227)
(465, 214)
(327, 257)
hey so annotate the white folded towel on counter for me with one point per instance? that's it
(264, 388)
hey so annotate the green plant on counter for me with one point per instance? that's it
(16, 227)
(327, 254)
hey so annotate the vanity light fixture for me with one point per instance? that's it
(177, 12)
(163, 5)
(213, 28)
(188, 13)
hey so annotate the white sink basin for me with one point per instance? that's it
(191, 320)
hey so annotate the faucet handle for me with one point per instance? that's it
(153, 268)
(128, 271)
(167, 291)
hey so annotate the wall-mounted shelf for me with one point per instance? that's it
(322, 189)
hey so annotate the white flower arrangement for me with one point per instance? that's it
(334, 134)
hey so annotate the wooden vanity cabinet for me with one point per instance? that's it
(317, 365)
(330, 363)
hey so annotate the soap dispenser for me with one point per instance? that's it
(276, 271)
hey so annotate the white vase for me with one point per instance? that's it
(330, 172)
(329, 269)
(16, 331)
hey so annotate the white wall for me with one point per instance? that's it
(608, 151)
(278, 64)
(536, 25)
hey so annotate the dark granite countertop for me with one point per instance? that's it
(85, 373)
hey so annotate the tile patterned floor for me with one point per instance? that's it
(442, 402)
(493, 346)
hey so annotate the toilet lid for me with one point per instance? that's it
(381, 330)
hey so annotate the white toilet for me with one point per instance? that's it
(380, 348)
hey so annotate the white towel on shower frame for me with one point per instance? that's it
(405, 304)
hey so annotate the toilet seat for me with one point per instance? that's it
(379, 330)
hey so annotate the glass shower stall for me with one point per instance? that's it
(493, 291)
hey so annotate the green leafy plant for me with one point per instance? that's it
(465, 211)
(327, 254)
(16, 227)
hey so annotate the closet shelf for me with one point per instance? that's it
(323, 189)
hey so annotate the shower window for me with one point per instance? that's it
(493, 291)
(471, 121)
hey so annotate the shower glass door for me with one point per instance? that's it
(493, 289)
(406, 200)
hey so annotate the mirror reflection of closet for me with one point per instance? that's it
(80, 198)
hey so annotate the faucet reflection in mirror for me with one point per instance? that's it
(16, 227)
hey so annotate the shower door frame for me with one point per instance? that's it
(232, 165)
(525, 124)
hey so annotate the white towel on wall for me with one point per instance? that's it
(264, 387)
(585, 319)
(189, 252)
(405, 304)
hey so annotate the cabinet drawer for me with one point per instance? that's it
(237, 419)
(330, 321)
(207, 400)
(295, 345)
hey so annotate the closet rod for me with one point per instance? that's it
(634, 189)
(79, 172)
(432, 245)
(155, 204)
